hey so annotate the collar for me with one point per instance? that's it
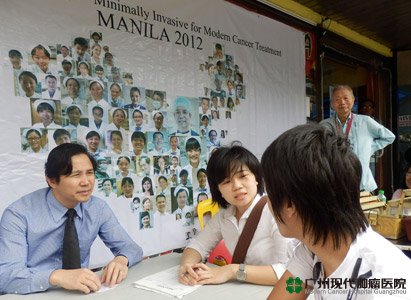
(346, 121)
(57, 209)
(230, 211)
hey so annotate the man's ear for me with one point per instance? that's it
(51, 182)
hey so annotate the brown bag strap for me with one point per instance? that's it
(246, 236)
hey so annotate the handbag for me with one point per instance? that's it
(246, 236)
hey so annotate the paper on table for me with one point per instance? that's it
(165, 282)
(105, 288)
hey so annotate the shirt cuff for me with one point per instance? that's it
(41, 281)
(279, 270)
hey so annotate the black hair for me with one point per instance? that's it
(71, 78)
(91, 134)
(224, 162)
(81, 41)
(202, 170)
(404, 181)
(119, 109)
(151, 185)
(201, 194)
(135, 89)
(114, 132)
(15, 53)
(84, 63)
(59, 162)
(183, 172)
(59, 132)
(98, 68)
(159, 112)
(192, 144)
(205, 117)
(127, 180)
(96, 33)
(143, 215)
(33, 130)
(162, 177)
(218, 46)
(28, 74)
(138, 135)
(160, 195)
(73, 107)
(40, 47)
(43, 106)
(212, 130)
(105, 180)
(121, 157)
(98, 108)
(139, 111)
(316, 171)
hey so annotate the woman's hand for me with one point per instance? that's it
(187, 274)
(217, 275)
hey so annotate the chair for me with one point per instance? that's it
(220, 255)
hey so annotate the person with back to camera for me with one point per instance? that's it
(365, 135)
(36, 256)
(312, 178)
(236, 184)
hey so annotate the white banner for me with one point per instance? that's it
(175, 52)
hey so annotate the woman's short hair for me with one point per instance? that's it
(107, 180)
(127, 180)
(192, 143)
(227, 160)
(28, 74)
(116, 132)
(123, 157)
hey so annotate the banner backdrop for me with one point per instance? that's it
(151, 88)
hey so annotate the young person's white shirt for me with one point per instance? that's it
(268, 246)
(379, 256)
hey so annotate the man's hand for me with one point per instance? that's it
(115, 272)
(79, 279)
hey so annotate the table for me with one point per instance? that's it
(230, 290)
(402, 243)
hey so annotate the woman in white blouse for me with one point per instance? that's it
(236, 184)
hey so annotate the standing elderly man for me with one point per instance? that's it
(365, 135)
(46, 235)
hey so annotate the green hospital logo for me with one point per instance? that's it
(294, 285)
